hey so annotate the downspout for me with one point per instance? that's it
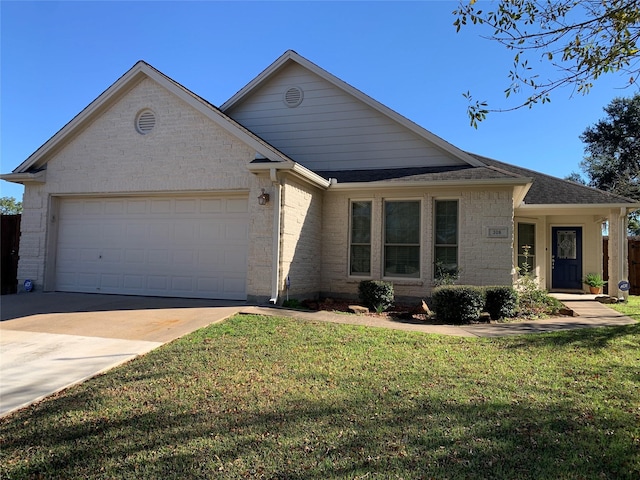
(277, 213)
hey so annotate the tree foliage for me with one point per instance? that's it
(581, 39)
(9, 206)
(612, 146)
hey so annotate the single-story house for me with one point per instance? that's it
(298, 181)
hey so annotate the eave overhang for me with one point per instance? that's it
(574, 208)
(522, 183)
(121, 87)
(294, 168)
(25, 177)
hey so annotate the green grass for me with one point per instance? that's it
(260, 397)
(630, 309)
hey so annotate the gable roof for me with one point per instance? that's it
(117, 90)
(292, 57)
(549, 190)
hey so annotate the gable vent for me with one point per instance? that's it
(293, 96)
(145, 122)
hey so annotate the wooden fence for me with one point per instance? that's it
(9, 244)
(634, 263)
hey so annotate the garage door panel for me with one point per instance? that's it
(212, 205)
(110, 281)
(133, 282)
(191, 247)
(240, 205)
(136, 206)
(88, 280)
(136, 234)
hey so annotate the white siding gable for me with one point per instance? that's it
(331, 129)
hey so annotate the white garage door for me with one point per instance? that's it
(178, 247)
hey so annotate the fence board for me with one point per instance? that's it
(9, 248)
(634, 263)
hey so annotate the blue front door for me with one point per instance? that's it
(566, 262)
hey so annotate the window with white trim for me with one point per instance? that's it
(402, 238)
(526, 247)
(446, 238)
(360, 239)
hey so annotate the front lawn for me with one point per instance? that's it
(263, 397)
(630, 309)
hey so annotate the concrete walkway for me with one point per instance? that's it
(50, 341)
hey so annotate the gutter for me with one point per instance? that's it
(25, 177)
(302, 172)
(627, 207)
(387, 184)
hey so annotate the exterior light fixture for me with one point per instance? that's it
(263, 198)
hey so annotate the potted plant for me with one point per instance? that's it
(595, 282)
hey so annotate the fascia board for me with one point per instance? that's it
(630, 207)
(259, 79)
(294, 168)
(220, 119)
(131, 78)
(290, 55)
(26, 177)
(520, 192)
(386, 185)
(124, 84)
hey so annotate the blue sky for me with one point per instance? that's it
(57, 57)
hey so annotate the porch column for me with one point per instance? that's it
(618, 250)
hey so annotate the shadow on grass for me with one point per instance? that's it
(274, 398)
(429, 436)
(589, 338)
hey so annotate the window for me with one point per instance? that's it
(402, 239)
(360, 250)
(446, 238)
(526, 247)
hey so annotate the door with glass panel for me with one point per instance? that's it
(566, 259)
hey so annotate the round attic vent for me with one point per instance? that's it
(293, 96)
(145, 122)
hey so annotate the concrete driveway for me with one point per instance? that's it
(50, 341)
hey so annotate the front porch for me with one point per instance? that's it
(561, 247)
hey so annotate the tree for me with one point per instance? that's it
(576, 178)
(581, 39)
(9, 206)
(613, 152)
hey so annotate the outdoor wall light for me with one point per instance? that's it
(263, 198)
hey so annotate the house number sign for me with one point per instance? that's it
(624, 286)
(498, 232)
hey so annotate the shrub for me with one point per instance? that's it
(376, 294)
(501, 301)
(458, 303)
(534, 301)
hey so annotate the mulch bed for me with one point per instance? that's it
(398, 312)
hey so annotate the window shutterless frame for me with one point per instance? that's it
(360, 216)
(445, 233)
(526, 247)
(401, 238)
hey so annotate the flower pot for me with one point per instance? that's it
(595, 290)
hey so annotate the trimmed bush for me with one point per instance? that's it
(458, 303)
(376, 294)
(501, 301)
